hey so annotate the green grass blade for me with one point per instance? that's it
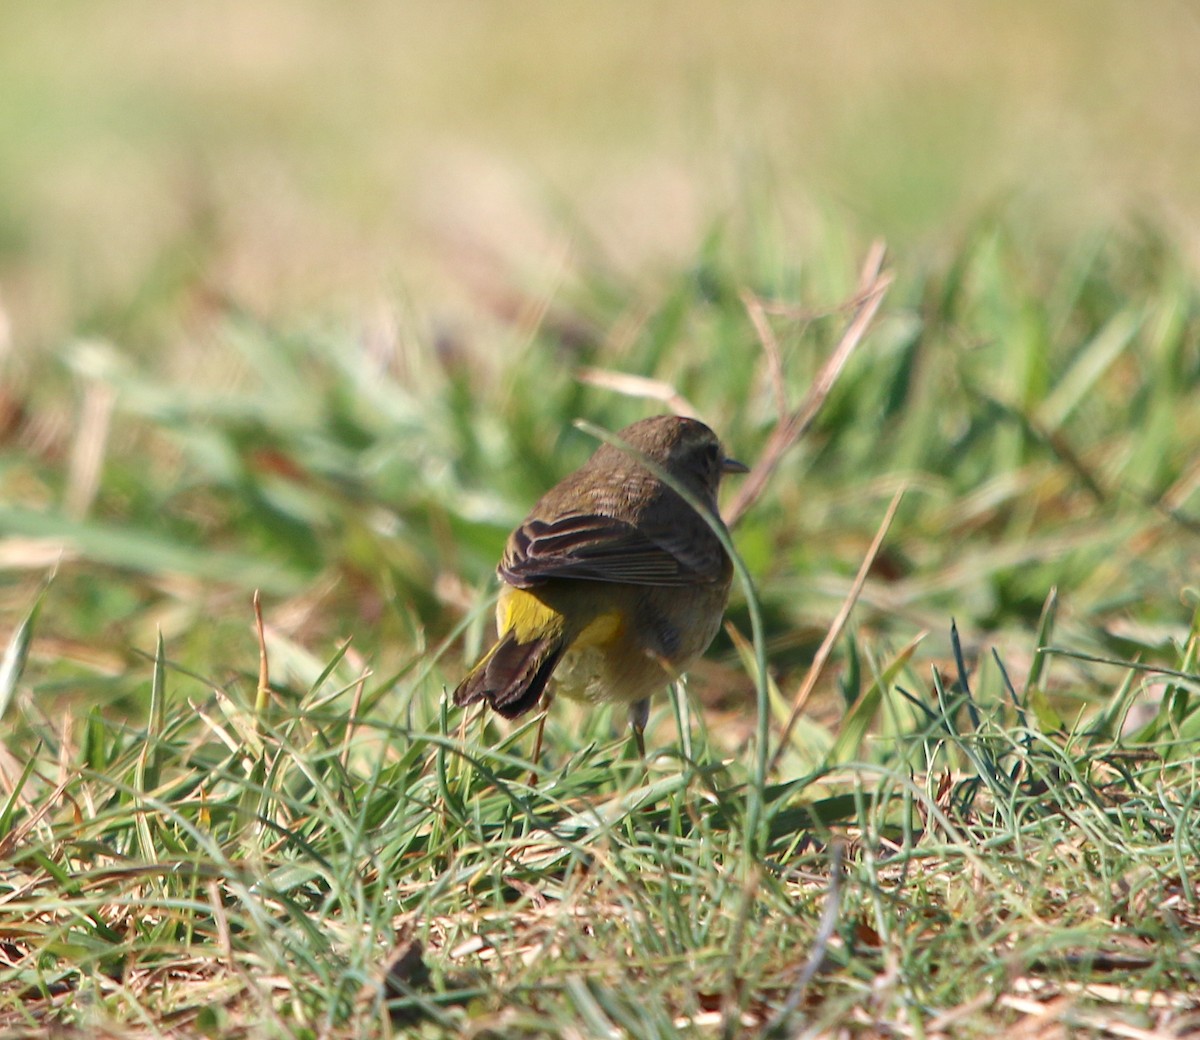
(848, 743)
(16, 654)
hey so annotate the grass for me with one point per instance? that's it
(984, 821)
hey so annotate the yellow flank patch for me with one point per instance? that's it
(603, 630)
(526, 616)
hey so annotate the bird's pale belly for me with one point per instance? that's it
(595, 674)
(605, 664)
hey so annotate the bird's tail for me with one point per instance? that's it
(512, 676)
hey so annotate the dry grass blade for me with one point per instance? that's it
(766, 336)
(88, 448)
(352, 719)
(873, 284)
(221, 920)
(638, 386)
(835, 630)
(15, 837)
(820, 946)
(263, 693)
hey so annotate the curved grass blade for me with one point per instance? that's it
(16, 654)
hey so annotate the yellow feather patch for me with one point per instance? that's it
(603, 630)
(526, 616)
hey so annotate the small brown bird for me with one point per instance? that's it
(614, 584)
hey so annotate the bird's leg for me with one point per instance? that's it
(639, 715)
(537, 744)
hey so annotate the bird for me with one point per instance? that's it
(614, 583)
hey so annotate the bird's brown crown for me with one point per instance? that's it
(686, 448)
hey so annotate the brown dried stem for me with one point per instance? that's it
(873, 284)
(835, 631)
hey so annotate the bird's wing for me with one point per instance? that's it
(600, 548)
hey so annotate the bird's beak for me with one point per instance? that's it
(733, 466)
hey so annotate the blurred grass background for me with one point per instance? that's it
(307, 158)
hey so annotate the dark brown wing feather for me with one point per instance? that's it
(513, 676)
(601, 548)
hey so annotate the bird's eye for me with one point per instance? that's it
(712, 454)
